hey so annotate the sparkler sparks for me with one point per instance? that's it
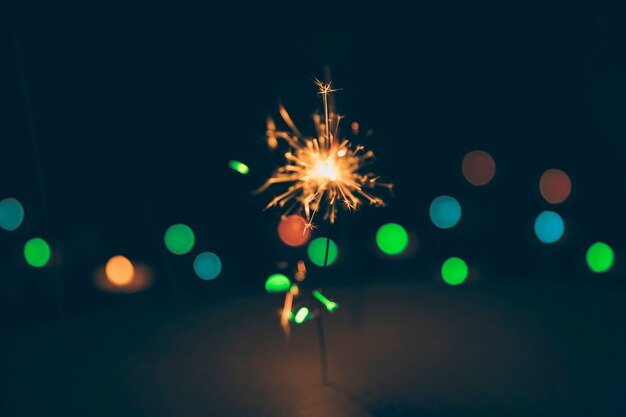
(323, 171)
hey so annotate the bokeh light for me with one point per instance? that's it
(549, 227)
(445, 212)
(207, 265)
(293, 230)
(277, 283)
(240, 167)
(555, 186)
(317, 251)
(301, 315)
(37, 252)
(11, 214)
(179, 239)
(119, 270)
(454, 271)
(478, 168)
(392, 239)
(600, 257)
(141, 280)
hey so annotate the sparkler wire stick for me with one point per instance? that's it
(323, 356)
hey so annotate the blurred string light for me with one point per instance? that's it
(179, 239)
(240, 167)
(301, 271)
(445, 212)
(330, 305)
(600, 257)
(119, 270)
(302, 315)
(37, 252)
(114, 276)
(549, 227)
(478, 168)
(392, 239)
(293, 230)
(277, 283)
(207, 265)
(11, 214)
(555, 186)
(317, 251)
(454, 271)
(286, 312)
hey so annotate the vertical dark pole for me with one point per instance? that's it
(320, 325)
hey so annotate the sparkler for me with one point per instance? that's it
(323, 171)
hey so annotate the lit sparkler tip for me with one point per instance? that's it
(324, 88)
(321, 170)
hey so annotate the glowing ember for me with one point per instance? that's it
(321, 170)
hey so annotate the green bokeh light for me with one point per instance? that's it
(600, 257)
(179, 239)
(454, 271)
(317, 251)
(392, 239)
(37, 252)
(277, 283)
(330, 305)
(240, 167)
(301, 315)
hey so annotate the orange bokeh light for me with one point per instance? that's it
(555, 186)
(293, 230)
(119, 270)
(478, 168)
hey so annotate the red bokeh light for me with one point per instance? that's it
(293, 230)
(478, 167)
(555, 186)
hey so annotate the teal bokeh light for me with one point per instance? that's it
(549, 227)
(11, 214)
(207, 265)
(445, 212)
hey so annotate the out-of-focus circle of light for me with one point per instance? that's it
(119, 270)
(207, 265)
(549, 227)
(277, 283)
(240, 167)
(555, 186)
(293, 230)
(317, 251)
(454, 271)
(600, 257)
(301, 315)
(478, 168)
(445, 212)
(392, 239)
(37, 252)
(179, 239)
(11, 214)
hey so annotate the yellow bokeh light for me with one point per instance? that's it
(119, 270)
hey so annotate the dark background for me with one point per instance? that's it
(137, 112)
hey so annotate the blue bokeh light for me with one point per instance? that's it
(445, 212)
(11, 214)
(549, 227)
(207, 265)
